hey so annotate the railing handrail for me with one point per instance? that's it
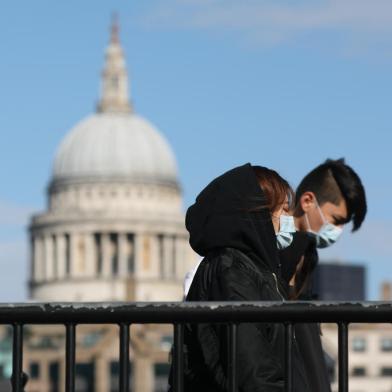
(199, 312)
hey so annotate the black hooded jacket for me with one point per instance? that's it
(237, 239)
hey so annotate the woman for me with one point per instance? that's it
(236, 225)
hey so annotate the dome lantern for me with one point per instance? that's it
(114, 84)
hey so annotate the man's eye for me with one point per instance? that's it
(338, 220)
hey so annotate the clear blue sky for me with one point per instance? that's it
(282, 84)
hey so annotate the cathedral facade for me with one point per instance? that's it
(113, 230)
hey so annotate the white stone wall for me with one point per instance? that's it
(159, 244)
(115, 197)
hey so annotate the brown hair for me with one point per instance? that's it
(275, 188)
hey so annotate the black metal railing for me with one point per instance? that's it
(179, 313)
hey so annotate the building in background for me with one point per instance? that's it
(113, 230)
(370, 353)
(114, 226)
(336, 281)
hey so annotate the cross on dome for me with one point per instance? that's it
(115, 29)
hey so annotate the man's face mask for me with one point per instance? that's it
(328, 233)
(286, 231)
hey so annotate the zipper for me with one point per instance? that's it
(277, 287)
(281, 296)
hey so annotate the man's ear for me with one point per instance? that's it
(307, 201)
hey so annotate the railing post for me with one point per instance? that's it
(70, 358)
(178, 358)
(289, 357)
(343, 356)
(17, 358)
(233, 360)
(124, 358)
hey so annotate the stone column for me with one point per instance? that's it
(149, 262)
(37, 260)
(102, 375)
(48, 257)
(42, 259)
(90, 263)
(143, 374)
(61, 382)
(168, 247)
(44, 375)
(60, 240)
(174, 257)
(155, 262)
(55, 256)
(80, 265)
(165, 257)
(72, 254)
(146, 254)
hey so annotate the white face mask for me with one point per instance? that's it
(328, 233)
(286, 231)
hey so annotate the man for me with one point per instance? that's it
(329, 197)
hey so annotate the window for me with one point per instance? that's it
(84, 377)
(161, 372)
(114, 367)
(358, 344)
(358, 371)
(98, 253)
(386, 344)
(34, 370)
(114, 371)
(54, 376)
(130, 253)
(91, 339)
(67, 254)
(166, 342)
(114, 253)
(386, 371)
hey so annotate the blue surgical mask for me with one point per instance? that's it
(328, 233)
(286, 231)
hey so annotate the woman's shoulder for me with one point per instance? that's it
(233, 259)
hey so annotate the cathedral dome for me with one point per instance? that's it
(115, 146)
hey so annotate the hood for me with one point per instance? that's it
(227, 214)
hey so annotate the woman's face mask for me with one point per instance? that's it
(328, 233)
(284, 237)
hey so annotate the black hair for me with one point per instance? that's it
(333, 180)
